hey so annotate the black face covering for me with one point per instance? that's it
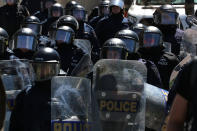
(168, 29)
(23, 55)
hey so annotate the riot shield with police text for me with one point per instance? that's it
(16, 75)
(118, 91)
(70, 104)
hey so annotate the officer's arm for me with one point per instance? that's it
(177, 114)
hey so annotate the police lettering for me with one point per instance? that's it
(70, 126)
(118, 106)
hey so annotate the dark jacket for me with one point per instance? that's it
(12, 17)
(108, 26)
(164, 61)
(32, 111)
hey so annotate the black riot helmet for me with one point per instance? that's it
(104, 7)
(68, 20)
(114, 48)
(46, 63)
(79, 13)
(69, 6)
(3, 40)
(138, 28)
(165, 15)
(56, 10)
(33, 23)
(130, 38)
(64, 35)
(24, 39)
(151, 37)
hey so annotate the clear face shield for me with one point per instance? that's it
(24, 42)
(151, 40)
(112, 53)
(35, 27)
(45, 70)
(104, 10)
(80, 15)
(130, 43)
(168, 18)
(62, 36)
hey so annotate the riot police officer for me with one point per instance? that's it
(138, 28)
(114, 48)
(68, 20)
(107, 27)
(43, 14)
(151, 48)
(103, 11)
(24, 43)
(55, 12)
(85, 31)
(70, 55)
(33, 110)
(5, 53)
(166, 19)
(132, 42)
(12, 15)
(34, 23)
(69, 5)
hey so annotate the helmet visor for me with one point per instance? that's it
(168, 18)
(104, 10)
(130, 44)
(25, 42)
(63, 36)
(112, 53)
(45, 70)
(35, 27)
(151, 40)
(80, 15)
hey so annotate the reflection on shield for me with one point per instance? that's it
(70, 103)
(16, 75)
(119, 94)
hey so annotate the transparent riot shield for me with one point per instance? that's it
(156, 100)
(16, 75)
(118, 92)
(2, 104)
(84, 67)
(83, 44)
(70, 104)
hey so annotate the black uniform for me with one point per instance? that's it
(164, 61)
(70, 57)
(32, 5)
(186, 87)
(12, 17)
(85, 31)
(166, 19)
(108, 26)
(33, 110)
